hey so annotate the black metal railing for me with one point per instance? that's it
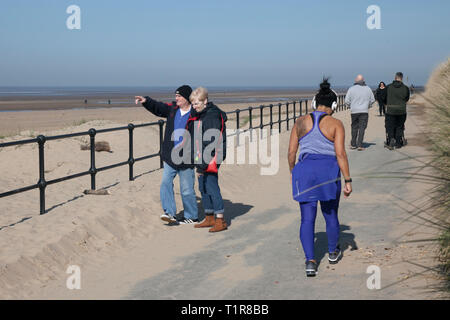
(296, 108)
(301, 106)
(93, 170)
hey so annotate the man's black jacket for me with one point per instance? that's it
(167, 111)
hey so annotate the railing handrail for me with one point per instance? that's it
(41, 139)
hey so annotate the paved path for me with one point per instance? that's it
(260, 256)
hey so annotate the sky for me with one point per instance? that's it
(219, 43)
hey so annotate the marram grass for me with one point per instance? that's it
(437, 107)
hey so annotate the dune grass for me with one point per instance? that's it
(437, 100)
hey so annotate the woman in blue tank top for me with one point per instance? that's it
(317, 174)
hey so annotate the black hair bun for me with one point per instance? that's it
(325, 87)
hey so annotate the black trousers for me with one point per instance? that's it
(359, 125)
(395, 126)
(382, 108)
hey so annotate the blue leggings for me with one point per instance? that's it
(308, 212)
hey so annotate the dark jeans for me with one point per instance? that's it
(382, 108)
(395, 125)
(208, 184)
(359, 125)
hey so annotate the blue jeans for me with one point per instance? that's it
(187, 178)
(330, 213)
(208, 184)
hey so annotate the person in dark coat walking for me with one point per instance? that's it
(397, 97)
(380, 96)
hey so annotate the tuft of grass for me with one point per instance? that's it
(79, 122)
(437, 107)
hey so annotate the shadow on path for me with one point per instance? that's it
(346, 241)
(232, 210)
(368, 144)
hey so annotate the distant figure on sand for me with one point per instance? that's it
(207, 154)
(397, 97)
(177, 115)
(359, 97)
(380, 96)
(317, 174)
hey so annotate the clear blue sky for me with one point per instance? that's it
(219, 43)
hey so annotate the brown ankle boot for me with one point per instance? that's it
(219, 225)
(208, 222)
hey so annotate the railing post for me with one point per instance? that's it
(237, 125)
(287, 116)
(41, 183)
(161, 124)
(261, 116)
(271, 118)
(131, 158)
(306, 106)
(295, 118)
(301, 114)
(92, 170)
(250, 122)
(279, 117)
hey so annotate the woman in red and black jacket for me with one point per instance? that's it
(208, 150)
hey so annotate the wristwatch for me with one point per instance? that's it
(349, 180)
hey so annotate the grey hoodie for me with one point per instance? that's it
(359, 97)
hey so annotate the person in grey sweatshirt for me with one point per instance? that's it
(359, 98)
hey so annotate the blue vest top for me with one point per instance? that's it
(314, 142)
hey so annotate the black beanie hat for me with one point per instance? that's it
(184, 91)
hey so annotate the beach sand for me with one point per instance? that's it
(59, 112)
(119, 240)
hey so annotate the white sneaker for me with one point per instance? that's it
(187, 221)
(168, 218)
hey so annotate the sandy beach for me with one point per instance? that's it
(58, 112)
(124, 249)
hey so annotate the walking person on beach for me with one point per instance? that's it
(177, 114)
(317, 174)
(397, 97)
(359, 97)
(208, 131)
(380, 96)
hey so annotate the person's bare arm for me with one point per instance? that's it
(341, 155)
(293, 146)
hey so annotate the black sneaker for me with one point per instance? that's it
(333, 257)
(168, 218)
(187, 221)
(390, 145)
(311, 268)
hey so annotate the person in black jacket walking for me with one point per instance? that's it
(208, 150)
(177, 114)
(380, 96)
(397, 97)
